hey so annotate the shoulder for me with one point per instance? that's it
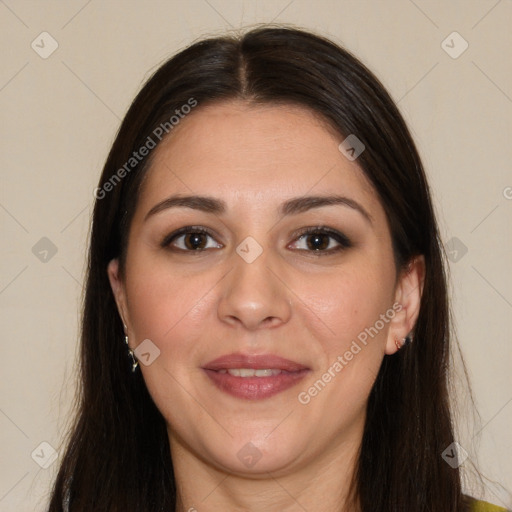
(483, 506)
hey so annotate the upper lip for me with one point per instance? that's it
(256, 362)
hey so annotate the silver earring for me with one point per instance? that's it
(404, 341)
(135, 362)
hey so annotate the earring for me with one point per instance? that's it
(405, 341)
(135, 362)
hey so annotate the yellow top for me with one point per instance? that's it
(483, 506)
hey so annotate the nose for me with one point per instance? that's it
(254, 295)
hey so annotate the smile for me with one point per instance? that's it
(254, 377)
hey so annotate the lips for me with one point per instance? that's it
(254, 377)
(257, 362)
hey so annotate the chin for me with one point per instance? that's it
(257, 458)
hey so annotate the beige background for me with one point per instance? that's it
(60, 115)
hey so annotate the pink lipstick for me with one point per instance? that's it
(254, 377)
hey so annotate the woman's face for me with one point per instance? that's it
(243, 283)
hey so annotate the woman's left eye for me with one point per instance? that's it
(323, 240)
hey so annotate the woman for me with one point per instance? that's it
(265, 258)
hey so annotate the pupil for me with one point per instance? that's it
(317, 244)
(195, 241)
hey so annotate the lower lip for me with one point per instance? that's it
(255, 388)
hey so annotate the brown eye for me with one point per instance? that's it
(189, 239)
(194, 241)
(323, 241)
(318, 241)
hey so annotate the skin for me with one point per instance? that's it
(290, 301)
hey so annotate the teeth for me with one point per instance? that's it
(251, 372)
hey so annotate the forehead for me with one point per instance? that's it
(253, 152)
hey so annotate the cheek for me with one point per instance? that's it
(172, 308)
(351, 354)
(159, 303)
(350, 301)
(356, 305)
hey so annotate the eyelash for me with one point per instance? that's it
(343, 241)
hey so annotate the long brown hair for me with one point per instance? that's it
(118, 456)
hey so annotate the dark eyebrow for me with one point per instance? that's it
(302, 204)
(289, 207)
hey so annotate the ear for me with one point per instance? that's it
(118, 289)
(408, 294)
